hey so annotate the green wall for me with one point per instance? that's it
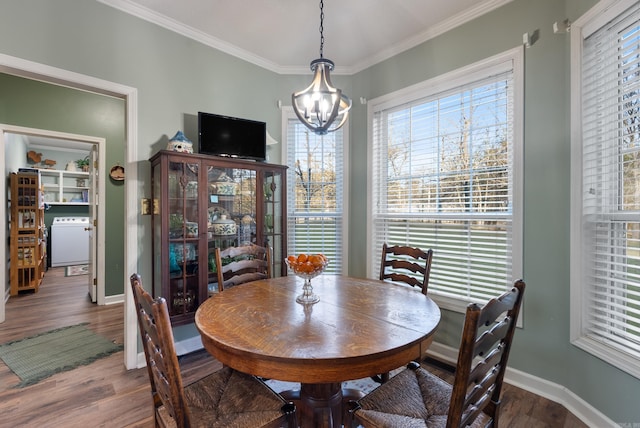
(33, 104)
(542, 348)
(177, 77)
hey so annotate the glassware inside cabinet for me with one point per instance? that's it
(231, 200)
(247, 230)
(183, 200)
(184, 296)
(183, 237)
(245, 202)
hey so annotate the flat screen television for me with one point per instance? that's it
(231, 137)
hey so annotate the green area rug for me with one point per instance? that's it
(46, 354)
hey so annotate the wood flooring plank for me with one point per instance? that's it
(572, 421)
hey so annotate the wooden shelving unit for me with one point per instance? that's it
(27, 236)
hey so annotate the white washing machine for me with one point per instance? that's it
(70, 241)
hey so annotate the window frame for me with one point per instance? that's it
(287, 114)
(595, 19)
(456, 79)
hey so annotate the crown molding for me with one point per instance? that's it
(170, 24)
(428, 34)
(189, 32)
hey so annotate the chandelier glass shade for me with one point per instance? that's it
(321, 107)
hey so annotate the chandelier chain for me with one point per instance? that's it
(321, 107)
(321, 28)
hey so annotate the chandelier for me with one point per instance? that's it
(321, 107)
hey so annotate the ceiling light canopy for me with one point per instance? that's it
(321, 107)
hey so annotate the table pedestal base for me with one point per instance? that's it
(322, 405)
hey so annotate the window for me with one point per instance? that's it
(315, 195)
(445, 175)
(605, 221)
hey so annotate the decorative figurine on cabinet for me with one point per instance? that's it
(180, 143)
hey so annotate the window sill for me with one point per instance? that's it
(450, 303)
(460, 305)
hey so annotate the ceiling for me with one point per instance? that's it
(48, 143)
(42, 142)
(283, 35)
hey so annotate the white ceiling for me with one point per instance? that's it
(47, 143)
(283, 35)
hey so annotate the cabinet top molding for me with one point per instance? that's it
(232, 162)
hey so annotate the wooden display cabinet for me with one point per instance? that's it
(27, 235)
(204, 202)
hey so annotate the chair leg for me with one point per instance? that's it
(493, 410)
(156, 419)
(289, 409)
(351, 421)
(380, 378)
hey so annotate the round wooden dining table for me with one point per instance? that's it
(359, 328)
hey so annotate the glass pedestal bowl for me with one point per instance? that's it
(306, 271)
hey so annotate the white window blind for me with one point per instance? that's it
(443, 178)
(315, 193)
(610, 192)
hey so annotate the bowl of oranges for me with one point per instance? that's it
(307, 266)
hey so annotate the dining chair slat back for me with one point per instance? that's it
(415, 396)
(221, 399)
(238, 265)
(162, 363)
(405, 264)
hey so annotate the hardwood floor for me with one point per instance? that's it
(105, 394)
(520, 408)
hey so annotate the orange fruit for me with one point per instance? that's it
(308, 267)
(292, 259)
(302, 258)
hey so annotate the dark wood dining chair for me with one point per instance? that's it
(243, 264)
(409, 265)
(415, 397)
(222, 399)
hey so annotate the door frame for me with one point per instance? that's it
(44, 73)
(98, 213)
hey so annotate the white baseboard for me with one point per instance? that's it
(141, 360)
(544, 388)
(189, 345)
(112, 300)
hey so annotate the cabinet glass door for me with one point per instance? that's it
(273, 221)
(183, 219)
(231, 213)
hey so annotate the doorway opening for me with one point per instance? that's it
(55, 76)
(68, 194)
